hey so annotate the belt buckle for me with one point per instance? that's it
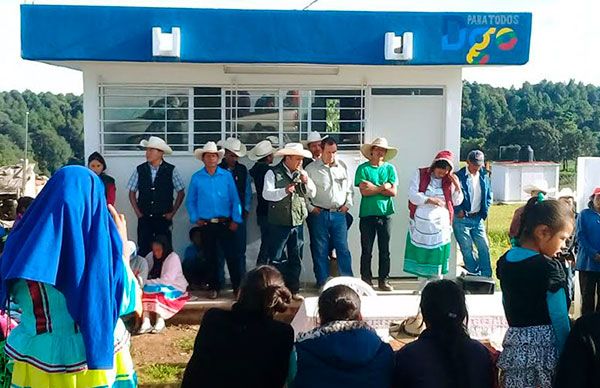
(214, 220)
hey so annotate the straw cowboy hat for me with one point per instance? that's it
(293, 149)
(262, 149)
(156, 143)
(313, 137)
(234, 145)
(381, 142)
(209, 148)
(274, 140)
(537, 186)
(566, 192)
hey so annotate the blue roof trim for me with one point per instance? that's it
(89, 33)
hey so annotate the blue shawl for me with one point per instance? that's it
(68, 239)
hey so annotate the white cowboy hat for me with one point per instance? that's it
(381, 142)
(234, 145)
(274, 140)
(537, 186)
(293, 149)
(566, 193)
(210, 148)
(156, 143)
(312, 138)
(262, 149)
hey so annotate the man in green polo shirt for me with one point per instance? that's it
(376, 180)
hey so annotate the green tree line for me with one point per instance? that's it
(560, 121)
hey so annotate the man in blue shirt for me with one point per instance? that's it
(213, 204)
(469, 216)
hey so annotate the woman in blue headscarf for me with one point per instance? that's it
(64, 265)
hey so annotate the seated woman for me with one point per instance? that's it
(444, 356)
(245, 347)
(66, 266)
(165, 289)
(344, 351)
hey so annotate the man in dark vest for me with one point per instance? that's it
(154, 183)
(234, 149)
(262, 154)
(287, 187)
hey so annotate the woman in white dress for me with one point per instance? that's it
(432, 194)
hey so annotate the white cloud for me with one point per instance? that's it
(563, 44)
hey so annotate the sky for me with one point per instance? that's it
(564, 42)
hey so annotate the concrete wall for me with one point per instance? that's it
(509, 180)
(446, 136)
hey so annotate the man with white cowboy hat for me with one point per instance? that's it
(313, 144)
(287, 187)
(262, 154)
(377, 181)
(327, 221)
(235, 149)
(213, 204)
(533, 189)
(154, 182)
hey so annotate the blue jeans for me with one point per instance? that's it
(329, 229)
(469, 231)
(290, 237)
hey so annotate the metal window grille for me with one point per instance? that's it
(188, 117)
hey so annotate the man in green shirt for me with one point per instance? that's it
(377, 181)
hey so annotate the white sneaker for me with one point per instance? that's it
(159, 326)
(146, 326)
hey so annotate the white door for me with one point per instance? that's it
(415, 124)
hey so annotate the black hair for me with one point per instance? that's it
(263, 292)
(328, 141)
(23, 203)
(443, 164)
(165, 243)
(591, 202)
(339, 303)
(193, 231)
(97, 157)
(552, 213)
(445, 314)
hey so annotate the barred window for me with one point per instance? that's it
(189, 117)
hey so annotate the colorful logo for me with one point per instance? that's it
(506, 39)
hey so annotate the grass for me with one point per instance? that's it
(185, 344)
(161, 373)
(498, 223)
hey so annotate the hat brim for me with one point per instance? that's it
(530, 188)
(290, 152)
(390, 154)
(161, 147)
(254, 156)
(199, 153)
(305, 143)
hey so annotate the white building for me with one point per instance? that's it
(208, 74)
(509, 179)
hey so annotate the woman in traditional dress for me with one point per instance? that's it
(432, 194)
(97, 164)
(65, 266)
(165, 289)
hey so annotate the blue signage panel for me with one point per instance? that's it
(85, 33)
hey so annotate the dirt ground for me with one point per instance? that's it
(161, 358)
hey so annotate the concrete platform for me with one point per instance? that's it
(194, 309)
